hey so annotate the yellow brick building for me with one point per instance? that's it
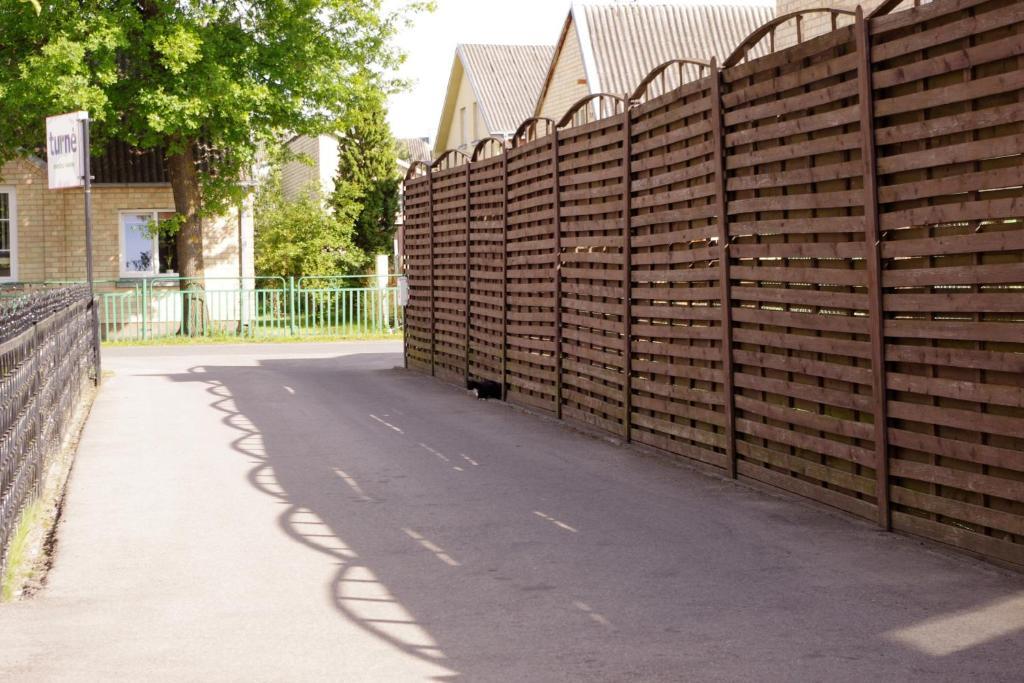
(42, 231)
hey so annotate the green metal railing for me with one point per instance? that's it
(254, 307)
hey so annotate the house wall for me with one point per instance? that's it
(51, 228)
(450, 137)
(316, 173)
(297, 176)
(327, 163)
(40, 251)
(565, 88)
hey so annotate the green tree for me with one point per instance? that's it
(367, 177)
(207, 81)
(299, 237)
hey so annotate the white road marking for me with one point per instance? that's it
(458, 469)
(438, 551)
(594, 616)
(387, 424)
(440, 455)
(289, 390)
(353, 484)
(470, 460)
(561, 525)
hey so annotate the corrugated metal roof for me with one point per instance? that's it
(629, 41)
(120, 163)
(507, 80)
(417, 148)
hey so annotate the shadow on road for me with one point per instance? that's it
(492, 545)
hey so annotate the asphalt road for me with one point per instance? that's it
(310, 512)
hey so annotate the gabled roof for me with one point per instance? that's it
(623, 43)
(505, 79)
(417, 148)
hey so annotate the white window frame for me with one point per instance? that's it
(128, 274)
(9, 190)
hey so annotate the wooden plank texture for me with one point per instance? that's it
(806, 269)
(951, 204)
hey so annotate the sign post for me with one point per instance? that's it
(67, 164)
(87, 191)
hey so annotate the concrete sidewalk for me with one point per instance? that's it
(308, 512)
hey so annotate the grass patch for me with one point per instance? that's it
(21, 565)
(30, 549)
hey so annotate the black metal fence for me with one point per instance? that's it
(47, 353)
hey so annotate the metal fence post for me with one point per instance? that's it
(872, 246)
(97, 361)
(722, 209)
(145, 307)
(291, 305)
(37, 354)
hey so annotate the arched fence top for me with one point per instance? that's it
(744, 48)
(528, 130)
(591, 108)
(662, 74)
(450, 158)
(487, 148)
(417, 169)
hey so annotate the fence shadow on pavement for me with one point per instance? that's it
(654, 572)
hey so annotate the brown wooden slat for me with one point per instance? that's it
(807, 269)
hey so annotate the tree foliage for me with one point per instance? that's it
(299, 237)
(229, 74)
(208, 81)
(368, 177)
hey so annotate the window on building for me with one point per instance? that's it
(476, 115)
(8, 235)
(144, 251)
(462, 126)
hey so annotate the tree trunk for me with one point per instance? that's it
(184, 177)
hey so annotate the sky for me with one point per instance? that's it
(430, 46)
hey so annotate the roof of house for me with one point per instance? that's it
(122, 163)
(623, 43)
(506, 81)
(418, 149)
(117, 162)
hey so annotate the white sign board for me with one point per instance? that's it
(65, 150)
(403, 291)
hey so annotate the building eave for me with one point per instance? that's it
(448, 108)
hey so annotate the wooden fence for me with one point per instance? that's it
(806, 269)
